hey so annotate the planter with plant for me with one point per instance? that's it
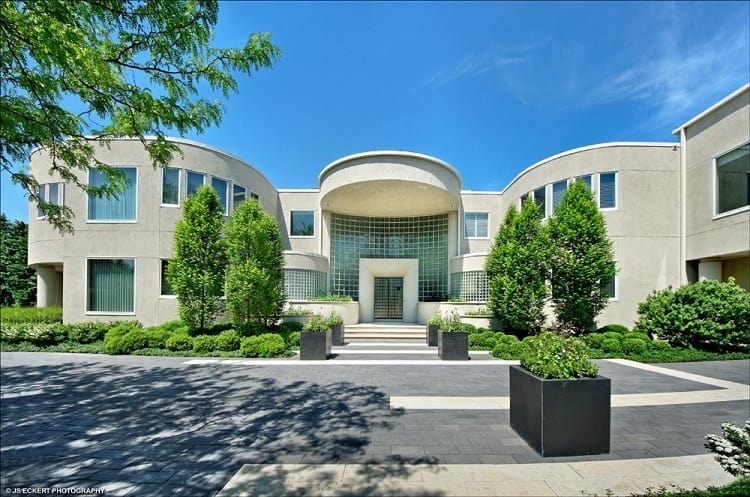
(558, 403)
(452, 340)
(336, 323)
(433, 325)
(315, 340)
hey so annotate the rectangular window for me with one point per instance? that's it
(170, 187)
(733, 180)
(587, 181)
(122, 206)
(303, 223)
(166, 288)
(540, 199)
(608, 190)
(476, 224)
(51, 193)
(111, 285)
(610, 289)
(558, 192)
(239, 194)
(194, 182)
(254, 196)
(220, 186)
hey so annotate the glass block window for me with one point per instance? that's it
(194, 182)
(304, 284)
(166, 288)
(608, 190)
(424, 238)
(476, 224)
(303, 223)
(733, 180)
(540, 198)
(558, 192)
(469, 286)
(121, 207)
(239, 194)
(110, 285)
(52, 193)
(170, 187)
(220, 186)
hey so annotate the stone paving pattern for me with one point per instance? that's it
(155, 426)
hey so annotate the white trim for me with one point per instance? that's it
(86, 287)
(115, 221)
(179, 187)
(715, 185)
(475, 192)
(584, 149)
(711, 109)
(227, 201)
(291, 226)
(298, 190)
(476, 237)
(599, 191)
(188, 172)
(381, 153)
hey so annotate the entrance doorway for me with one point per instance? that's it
(389, 298)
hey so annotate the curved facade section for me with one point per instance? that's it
(389, 183)
(114, 262)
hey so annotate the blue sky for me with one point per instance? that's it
(489, 87)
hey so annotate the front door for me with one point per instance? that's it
(389, 298)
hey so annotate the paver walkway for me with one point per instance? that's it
(171, 426)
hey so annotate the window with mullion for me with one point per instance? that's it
(476, 224)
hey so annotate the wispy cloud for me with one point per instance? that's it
(682, 75)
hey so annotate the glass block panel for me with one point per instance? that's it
(424, 238)
(469, 286)
(304, 284)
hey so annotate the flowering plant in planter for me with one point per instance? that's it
(451, 323)
(550, 355)
(317, 323)
(336, 323)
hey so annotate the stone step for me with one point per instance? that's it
(385, 332)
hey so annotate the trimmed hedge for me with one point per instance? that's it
(179, 342)
(265, 345)
(49, 315)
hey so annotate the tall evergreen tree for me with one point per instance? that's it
(196, 273)
(582, 260)
(517, 269)
(255, 274)
(17, 279)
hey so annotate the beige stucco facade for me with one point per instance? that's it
(658, 199)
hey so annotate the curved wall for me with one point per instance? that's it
(147, 240)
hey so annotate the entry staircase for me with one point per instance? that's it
(386, 332)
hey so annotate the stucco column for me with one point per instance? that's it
(709, 270)
(46, 286)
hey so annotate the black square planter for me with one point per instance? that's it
(314, 345)
(453, 345)
(432, 334)
(337, 334)
(560, 417)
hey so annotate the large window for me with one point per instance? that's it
(476, 224)
(239, 194)
(51, 193)
(111, 285)
(122, 206)
(194, 182)
(540, 199)
(558, 192)
(170, 187)
(220, 186)
(303, 223)
(166, 288)
(608, 190)
(733, 180)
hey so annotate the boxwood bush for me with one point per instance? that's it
(290, 326)
(483, 340)
(634, 346)
(553, 356)
(179, 342)
(228, 341)
(617, 328)
(265, 345)
(87, 332)
(125, 338)
(611, 345)
(708, 315)
(203, 344)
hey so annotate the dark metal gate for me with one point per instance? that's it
(389, 298)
